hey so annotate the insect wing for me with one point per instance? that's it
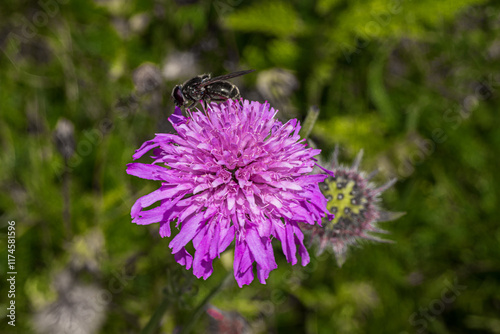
(224, 77)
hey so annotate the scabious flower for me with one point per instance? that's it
(224, 322)
(232, 172)
(354, 201)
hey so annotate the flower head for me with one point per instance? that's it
(354, 201)
(224, 322)
(232, 172)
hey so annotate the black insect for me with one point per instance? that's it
(204, 88)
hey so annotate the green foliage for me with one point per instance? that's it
(274, 18)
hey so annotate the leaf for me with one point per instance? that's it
(272, 18)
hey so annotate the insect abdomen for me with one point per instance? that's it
(223, 90)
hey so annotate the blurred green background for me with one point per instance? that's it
(414, 83)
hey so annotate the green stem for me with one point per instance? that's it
(154, 322)
(311, 118)
(199, 310)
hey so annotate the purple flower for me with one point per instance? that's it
(232, 172)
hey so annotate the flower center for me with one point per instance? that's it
(345, 198)
(233, 173)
